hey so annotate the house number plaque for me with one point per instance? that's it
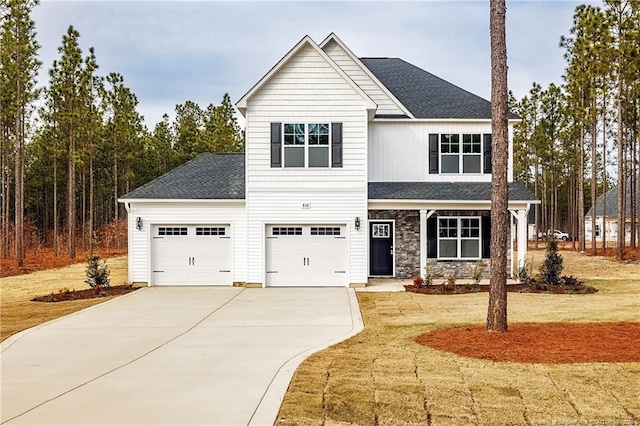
(306, 206)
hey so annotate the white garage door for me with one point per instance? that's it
(191, 255)
(306, 255)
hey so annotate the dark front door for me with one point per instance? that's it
(380, 248)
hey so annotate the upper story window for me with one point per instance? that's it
(313, 145)
(460, 154)
(306, 145)
(453, 153)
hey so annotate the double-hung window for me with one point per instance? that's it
(294, 145)
(306, 145)
(471, 153)
(459, 238)
(460, 153)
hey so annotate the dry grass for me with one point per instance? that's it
(18, 313)
(382, 376)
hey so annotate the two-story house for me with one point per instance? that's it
(354, 168)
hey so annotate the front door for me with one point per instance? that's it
(380, 248)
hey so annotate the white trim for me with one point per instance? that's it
(180, 200)
(393, 241)
(366, 70)
(424, 216)
(306, 40)
(442, 120)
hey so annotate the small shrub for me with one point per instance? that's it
(450, 282)
(478, 271)
(525, 272)
(97, 274)
(552, 266)
(428, 273)
(473, 288)
(570, 281)
(418, 282)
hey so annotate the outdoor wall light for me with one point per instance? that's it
(139, 223)
(357, 223)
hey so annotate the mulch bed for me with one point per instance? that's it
(516, 288)
(63, 295)
(550, 343)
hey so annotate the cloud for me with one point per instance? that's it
(173, 51)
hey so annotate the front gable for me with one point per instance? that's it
(388, 104)
(312, 64)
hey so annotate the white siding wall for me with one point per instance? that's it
(210, 212)
(386, 105)
(399, 151)
(306, 90)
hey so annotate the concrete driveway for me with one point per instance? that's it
(178, 355)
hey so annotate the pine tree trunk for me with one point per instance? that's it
(497, 310)
(603, 231)
(19, 179)
(4, 163)
(56, 247)
(621, 176)
(71, 196)
(594, 180)
(581, 234)
(91, 204)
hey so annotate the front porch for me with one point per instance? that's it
(447, 243)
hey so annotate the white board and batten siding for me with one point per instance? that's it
(230, 215)
(306, 89)
(399, 152)
(386, 105)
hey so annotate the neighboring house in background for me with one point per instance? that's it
(609, 221)
(354, 168)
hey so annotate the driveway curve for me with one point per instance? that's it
(176, 355)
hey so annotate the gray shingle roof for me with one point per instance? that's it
(426, 95)
(612, 203)
(444, 191)
(210, 176)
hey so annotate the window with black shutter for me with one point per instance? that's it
(487, 153)
(433, 154)
(276, 145)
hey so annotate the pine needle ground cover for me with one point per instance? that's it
(384, 376)
(18, 312)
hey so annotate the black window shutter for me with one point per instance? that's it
(487, 153)
(433, 153)
(486, 237)
(432, 237)
(336, 144)
(276, 145)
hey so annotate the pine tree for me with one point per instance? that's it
(497, 311)
(18, 70)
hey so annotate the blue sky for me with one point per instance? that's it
(173, 51)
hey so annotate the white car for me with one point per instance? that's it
(559, 235)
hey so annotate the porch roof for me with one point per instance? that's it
(445, 191)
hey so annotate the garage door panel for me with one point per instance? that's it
(191, 255)
(315, 256)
